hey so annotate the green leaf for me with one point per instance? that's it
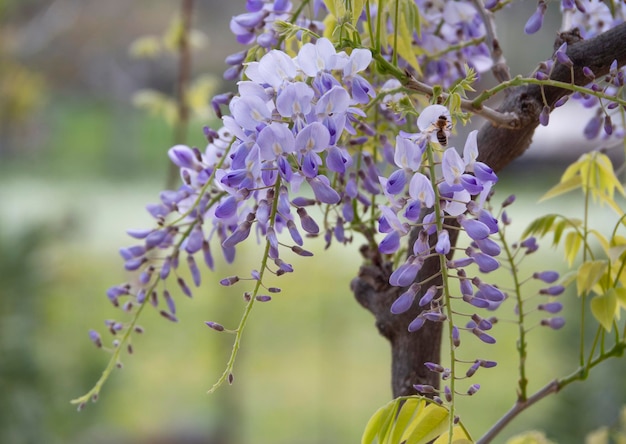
(603, 308)
(589, 273)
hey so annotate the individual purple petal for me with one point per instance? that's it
(323, 191)
(405, 300)
(456, 337)
(195, 272)
(553, 323)
(308, 223)
(184, 287)
(314, 137)
(443, 242)
(535, 21)
(476, 302)
(485, 263)
(390, 243)
(294, 233)
(227, 208)
(214, 325)
(406, 273)
(473, 389)
(592, 129)
(396, 182)
(167, 297)
(452, 167)
(483, 336)
(275, 140)
(561, 56)
(206, 254)
(421, 189)
(134, 264)
(94, 336)
(408, 154)
(546, 276)
(474, 228)
(416, 324)
(488, 246)
(428, 296)
(183, 156)
(337, 160)
(472, 370)
(551, 307)
(552, 291)
(240, 234)
(588, 73)
(139, 233)
(168, 316)
(228, 281)
(485, 217)
(165, 268)
(195, 239)
(490, 292)
(155, 238)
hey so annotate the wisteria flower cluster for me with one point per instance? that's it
(435, 190)
(280, 150)
(455, 33)
(587, 18)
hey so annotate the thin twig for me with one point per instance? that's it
(519, 407)
(498, 119)
(182, 84)
(499, 69)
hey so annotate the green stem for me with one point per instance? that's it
(521, 346)
(445, 289)
(519, 81)
(244, 319)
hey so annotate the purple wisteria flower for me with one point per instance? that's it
(282, 148)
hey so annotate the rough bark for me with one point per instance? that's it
(498, 147)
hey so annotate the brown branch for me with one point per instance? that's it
(498, 147)
(182, 84)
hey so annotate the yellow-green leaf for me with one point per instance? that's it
(430, 422)
(404, 46)
(620, 294)
(357, 8)
(403, 421)
(573, 242)
(562, 188)
(374, 425)
(412, 420)
(589, 273)
(603, 308)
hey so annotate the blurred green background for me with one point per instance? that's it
(78, 164)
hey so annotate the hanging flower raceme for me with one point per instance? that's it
(436, 191)
(279, 152)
